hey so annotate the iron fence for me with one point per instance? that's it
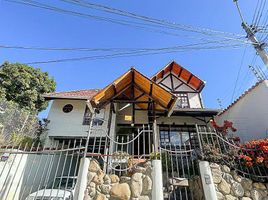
(218, 148)
(39, 171)
(119, 154)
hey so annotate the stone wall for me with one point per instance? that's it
(136, 185)
(230, 186)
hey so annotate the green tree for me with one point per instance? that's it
(25, 85)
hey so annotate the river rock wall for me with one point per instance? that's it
(136, 185)
(230, 186)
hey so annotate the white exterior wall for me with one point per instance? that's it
(70, 124)
(249, 114)
(194, 100)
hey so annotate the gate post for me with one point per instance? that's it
(207, 181)
(157, 190)
(81, 184)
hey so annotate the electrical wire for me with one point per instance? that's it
(125, 54)
(124, 22)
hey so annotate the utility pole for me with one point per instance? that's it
(250, 31)
(259, 47)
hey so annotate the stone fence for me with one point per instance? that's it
(231, 186)
(134, 185)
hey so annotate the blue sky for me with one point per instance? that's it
(28, 26)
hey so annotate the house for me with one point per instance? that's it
(249, 113)
(171, 99)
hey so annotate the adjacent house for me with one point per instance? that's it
(249, 113)
(171, 99)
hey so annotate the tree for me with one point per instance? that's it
(25, 85)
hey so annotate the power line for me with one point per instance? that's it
(133, 24)
(200, 45)
(124, 54)
(145, 18)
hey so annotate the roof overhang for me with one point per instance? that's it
(70, 98)
(133, 85)
(200, 112)
(182, 73)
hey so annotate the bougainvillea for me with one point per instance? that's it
(254, 153)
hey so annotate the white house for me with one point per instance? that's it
(249, 113)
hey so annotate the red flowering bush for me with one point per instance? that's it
(254, 153)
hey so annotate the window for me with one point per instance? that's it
(183, 101)
(176, 136)
(87, 117)
(67, 108)
(98, 121)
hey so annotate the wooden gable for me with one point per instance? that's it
(175, 78)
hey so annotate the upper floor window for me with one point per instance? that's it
(98, 121)
(183, 101)
(67, 108)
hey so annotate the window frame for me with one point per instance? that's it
(183, 98)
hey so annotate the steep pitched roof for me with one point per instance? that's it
(136, 86)
(182, 73)
(242, 96)
(75, 94)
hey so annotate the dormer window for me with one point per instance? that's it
(183, 100)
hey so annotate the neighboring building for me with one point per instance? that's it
(249, 113)
(172, 97)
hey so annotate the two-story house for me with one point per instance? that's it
(171, 99)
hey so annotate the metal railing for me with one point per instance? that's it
(38, 171)
(119, 154)
(220, 149)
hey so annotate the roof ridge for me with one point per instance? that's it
(69, 91)
(241, 96)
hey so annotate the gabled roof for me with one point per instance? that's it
(182, 73)
(242, 96)
(75, 94)
(144, 90)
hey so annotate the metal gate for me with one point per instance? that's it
(36, 172)
(179, 161)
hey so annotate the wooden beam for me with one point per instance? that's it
(162, 73)
(139, 96)
(118, 93)
(185, 83)
(151, 89)
(173, 107)
(129, 101)
(189, 79)
(114, 89)
(165, 86)
(171, 80)
(179, 75)
(157, 101)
